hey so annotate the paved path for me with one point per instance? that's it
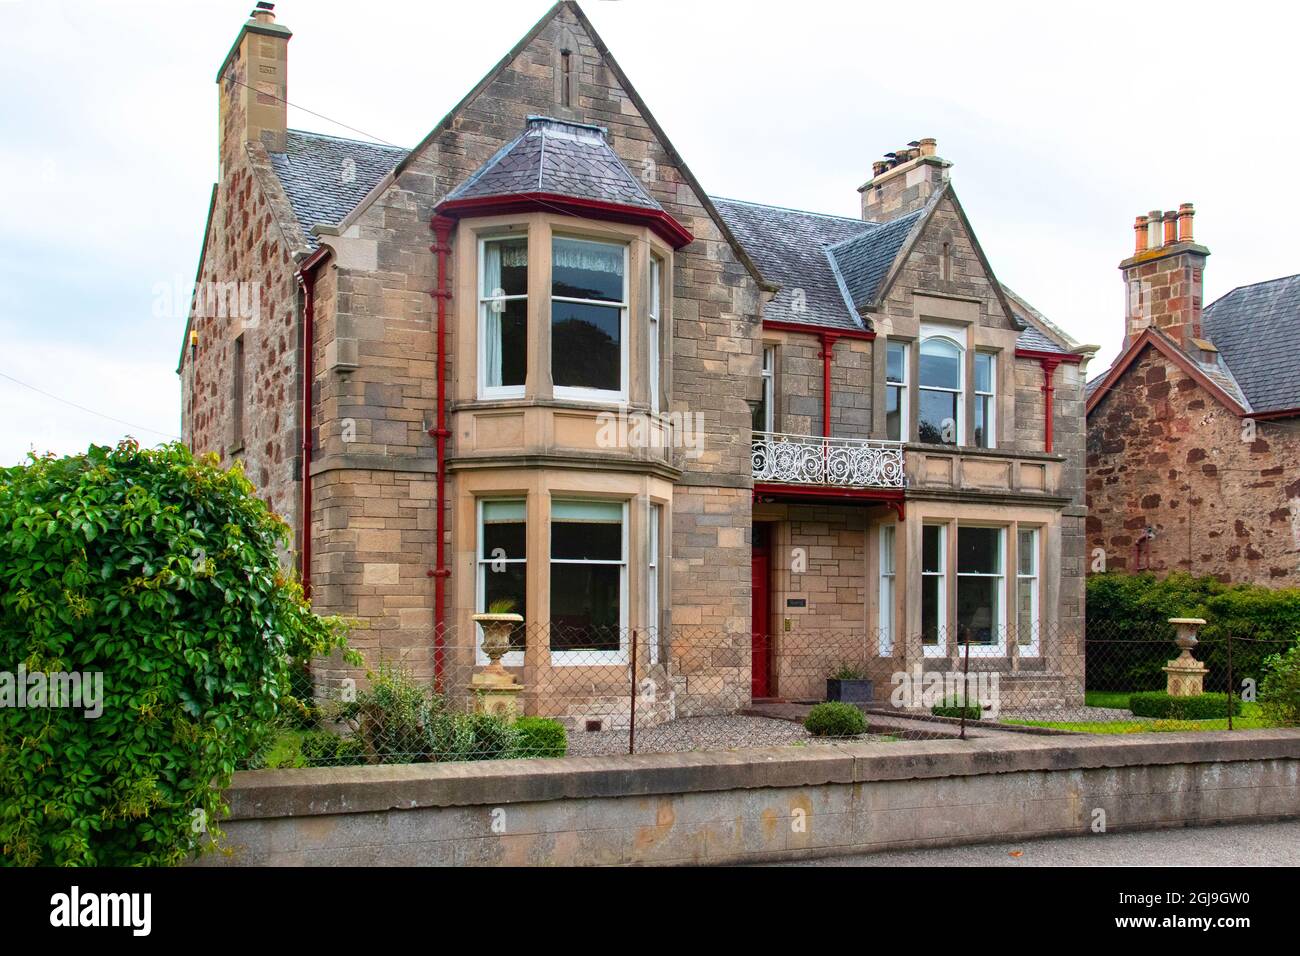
(1247, 844)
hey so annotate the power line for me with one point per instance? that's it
(89, 410)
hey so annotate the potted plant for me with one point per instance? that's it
(498, 624)
(850, 684)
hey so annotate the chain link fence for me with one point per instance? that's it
(559, 691)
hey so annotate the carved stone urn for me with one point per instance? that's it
(495, 689)
(1185, 675)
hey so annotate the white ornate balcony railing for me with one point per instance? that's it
(810, 460)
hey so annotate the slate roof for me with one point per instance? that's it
(1255, 329)
(326, 176)
(864, 260)
(790, 247)
(554, 156)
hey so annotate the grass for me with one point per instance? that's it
(1117, 699)
(1252, 718)
(286, 750)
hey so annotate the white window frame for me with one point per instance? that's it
(960, 391)
(653, 582)
(568, 392)
(904, 398)
(940, 647)
(1034, 579)
(656, 307)
(511, 658)
(769, 388)
(991, 419)
(888, 591)
(999, 624)
(592, 658)
(484, 303)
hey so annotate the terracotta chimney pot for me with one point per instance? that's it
(1185, 213)
(1140, 234)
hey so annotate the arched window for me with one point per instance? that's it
(942, 367)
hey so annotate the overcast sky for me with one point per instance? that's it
(1064, 122)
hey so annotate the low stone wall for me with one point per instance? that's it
(756, 805)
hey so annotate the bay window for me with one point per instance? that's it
(985, 399)
(934, 589)
(588, 582)
(896, 420)
(589, 341)
(1027, 625)
(941, 373)
(980, 586)
(502, 567)
(503, 317)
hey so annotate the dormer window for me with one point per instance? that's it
(589, 307)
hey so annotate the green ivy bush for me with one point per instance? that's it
(1279, 692)
(540, 737)
(958, 707)
(835, 719)
(161, 573)
(1158, 703)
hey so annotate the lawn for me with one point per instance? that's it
(1251, 719)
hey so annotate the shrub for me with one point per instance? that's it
(320, 748)
(835, 719)
(159, 572)
(392, 716)
(1158, 703)
(540, 737)
(452, 737)
(849, 672)
(1279, 693)
(958, 707)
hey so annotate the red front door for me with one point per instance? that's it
(762, 612)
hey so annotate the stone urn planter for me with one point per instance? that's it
(495, 689)
(1185, 675)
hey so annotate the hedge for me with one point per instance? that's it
(835, 719)
(540, 737)
(1158, 703)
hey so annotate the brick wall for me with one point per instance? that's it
(1222, 494)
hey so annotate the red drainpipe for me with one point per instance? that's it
(1049, 393)
(828, 352)
(307, 277)
(442, 228)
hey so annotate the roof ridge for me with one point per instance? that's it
(346, 139)
(802, 212)
(1249, 285)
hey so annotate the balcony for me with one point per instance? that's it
(827, 462)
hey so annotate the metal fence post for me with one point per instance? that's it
(631, 726)
(965, 683)
(1230, 678)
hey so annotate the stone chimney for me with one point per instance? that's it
(1164, 277)
(253, 85)
(903, 181)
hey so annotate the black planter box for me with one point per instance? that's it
(849, 691)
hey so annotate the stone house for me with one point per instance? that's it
(532, 359)
(1194, 430)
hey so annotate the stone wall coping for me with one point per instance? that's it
(261, 794)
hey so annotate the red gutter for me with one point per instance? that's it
(772, 325)
(442, 229)
(1277, 413)
(307, 278)
(664, 225)
(828, 337)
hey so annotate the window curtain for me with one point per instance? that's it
(492, 320)
(587, 256)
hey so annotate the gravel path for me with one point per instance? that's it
(702, 733)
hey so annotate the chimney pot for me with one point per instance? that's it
(264, 12)
(878, 167)
(928, 146)
(1140, 234)
(1171, 228)
(1185, 213)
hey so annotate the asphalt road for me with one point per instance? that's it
(1253, 844)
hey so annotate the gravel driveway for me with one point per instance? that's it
(702, 733)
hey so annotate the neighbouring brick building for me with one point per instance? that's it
(533, 359)
(1194, 430)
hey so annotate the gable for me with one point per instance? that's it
(495, 113)
(1212, 380)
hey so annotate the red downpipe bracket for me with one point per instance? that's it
(442, 229)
